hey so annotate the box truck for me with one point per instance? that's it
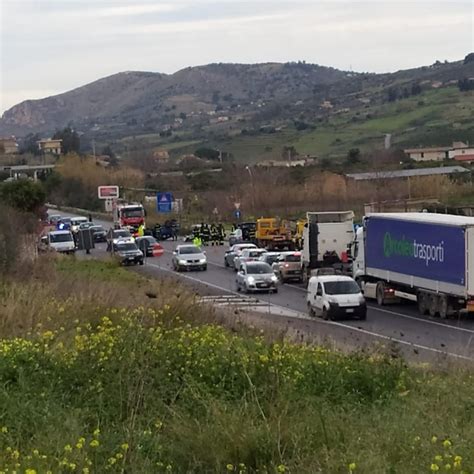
(423, 257)
(326, 239)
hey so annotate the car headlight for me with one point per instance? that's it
(182, 262)
(361, 299)
(202, 260)
(274, 279)
(251, 280)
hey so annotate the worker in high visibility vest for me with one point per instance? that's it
(141, 230)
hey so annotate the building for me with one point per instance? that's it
(8, 146)
(440, 153)
(50, 146)
(415, 173)
(285, 163)
(460, 149)
(465, 158)
(160, 155)
(429, 154)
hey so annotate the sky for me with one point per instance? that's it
(51, 46)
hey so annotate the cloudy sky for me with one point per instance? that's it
(51, 46)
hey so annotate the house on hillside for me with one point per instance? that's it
(160, 155)
(8, 146)
(49, 146)
(439, 153)
(460, 149)
(428, 154)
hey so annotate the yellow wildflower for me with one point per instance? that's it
(352, 466)
(447, 443)
(434, 467)
(68, 448)
(85, 470)
(447, 467)
(4, 429)
(124, 446)
(434, 439)
(96, 432)
(281, 468)
(438, 458)
(30, 471)
(230, 467)
(112, 461)
(94, 443)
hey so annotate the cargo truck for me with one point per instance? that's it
(421, 257)
(327, 237)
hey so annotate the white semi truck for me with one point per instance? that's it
(422, 257)
(326, 239)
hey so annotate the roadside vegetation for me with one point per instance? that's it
(103, 370)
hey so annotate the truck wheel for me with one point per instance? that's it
(380, 293)
(433, 306)
(443, 307)
(422, 303)
(324, 314)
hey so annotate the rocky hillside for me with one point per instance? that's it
(200, 100)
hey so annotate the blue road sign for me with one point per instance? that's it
(164, 202)
(238, 213)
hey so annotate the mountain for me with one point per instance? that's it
(132, 98)
(243, 106)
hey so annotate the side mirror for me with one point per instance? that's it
(44, 239)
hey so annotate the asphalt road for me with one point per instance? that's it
(399, 324)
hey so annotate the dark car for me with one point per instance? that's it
(128, 253)
(146, 244)
(100, 234)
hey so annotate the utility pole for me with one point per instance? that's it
(93, 149)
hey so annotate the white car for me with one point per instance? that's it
(76, 222)
(335, 297)
(189, 257)
(118, 235)
(248, 255)
(60, 241)
(235, 251)
(256, 277)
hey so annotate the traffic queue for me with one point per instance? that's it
(129, 244)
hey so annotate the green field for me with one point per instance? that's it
(436, 117)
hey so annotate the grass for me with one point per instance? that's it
(436, 117)
(116, 386)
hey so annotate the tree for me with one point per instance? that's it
(23, 195)
(70, 140)
(30, 144)
(107, 150)
(207, 153)
(353, 156)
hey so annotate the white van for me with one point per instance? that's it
(335, 297)
(61, 241)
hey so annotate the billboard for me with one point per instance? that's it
(425, 250)
(108, 192)
(164, 202)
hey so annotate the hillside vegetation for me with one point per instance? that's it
(95, 381)
(252, 111)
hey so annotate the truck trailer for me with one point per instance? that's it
(326, 239)
(422, 257)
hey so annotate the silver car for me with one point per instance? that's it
(189, 257)
(235, 251)
(248, 255)
(256, 276)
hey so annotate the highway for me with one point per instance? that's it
(396, 324)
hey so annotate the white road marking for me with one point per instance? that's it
(298, 315)
(449, 326)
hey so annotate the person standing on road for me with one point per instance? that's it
(141, 230)
(197, 241)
